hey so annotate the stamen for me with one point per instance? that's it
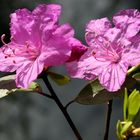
(11, 38)
(2, 39)
(27, 44)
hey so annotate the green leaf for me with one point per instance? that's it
(136, 119)
(133, 104)
(7, 82)
(119, 129)
(94, 93)
(59, 78)
(125, 105)
(8, 86)
(136, 76)
(133, 69)
(126, 127)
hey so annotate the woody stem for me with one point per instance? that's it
(61, 107)
(109, 111)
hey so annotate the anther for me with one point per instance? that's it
(14, 61)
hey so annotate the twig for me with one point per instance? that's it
(46, 95)
(69, 103)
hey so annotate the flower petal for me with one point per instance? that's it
(125, 16)
(99, 26)
(21, 22)
(78, 49)
(96, 28)
(55, 51)
(64, 30)
(47, 13)
(87, 67)
(113, 76)
(28, 72)
(24, 27)
(131, 54)
(113, 34)
(129, 21)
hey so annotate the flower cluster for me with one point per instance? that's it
(39, 41)
(113, 49)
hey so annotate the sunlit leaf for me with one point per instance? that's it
(126, 127)
(136, 132)
(59, 78)
(8, 86)
(134, 104)
(119, 129)
(5, 92)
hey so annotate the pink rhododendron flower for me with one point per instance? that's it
(111, 52)
(37, 41)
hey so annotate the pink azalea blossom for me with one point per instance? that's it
(112, 50)
(37, 41)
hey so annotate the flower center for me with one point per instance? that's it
(31, 51)
(108, 52)
(14, 51)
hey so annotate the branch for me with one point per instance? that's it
(46, 95)
(62, 108)
(109, 111)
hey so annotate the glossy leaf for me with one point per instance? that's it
(59, 78)
(94, 93)
(134, 104)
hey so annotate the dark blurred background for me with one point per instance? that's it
(31, 116)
